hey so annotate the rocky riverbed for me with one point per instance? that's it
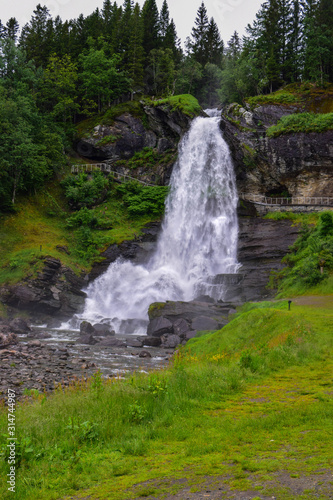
(42, 364)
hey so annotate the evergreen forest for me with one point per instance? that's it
(55, 73)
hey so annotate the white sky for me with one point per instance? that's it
(230, 15)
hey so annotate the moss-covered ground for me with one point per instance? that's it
(246, 409)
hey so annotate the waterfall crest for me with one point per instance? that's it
(198, 238)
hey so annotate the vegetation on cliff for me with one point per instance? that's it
(309, 265)
(302, 122)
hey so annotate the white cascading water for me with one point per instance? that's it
(198, 238)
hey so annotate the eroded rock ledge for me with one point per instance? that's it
(296, 164)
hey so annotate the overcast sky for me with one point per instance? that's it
(230, 15)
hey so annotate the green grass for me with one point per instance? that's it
(279, 97)
(185, 103)
(244, 404)
(305, 96)
(39, 226)
(302, 122)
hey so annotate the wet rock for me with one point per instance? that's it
(174, 310)
(19, 325)
(180, 326)
(39, 335)
(86, 328)
(145, 354)
(159, 326)
(170, 341)
(112, 342)
(189, 335)
(88, 338)
(134, 343)
(204, 323)
(103, 330)
(152, 341)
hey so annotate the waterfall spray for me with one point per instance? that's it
(198, 238)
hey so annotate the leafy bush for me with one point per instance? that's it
(85, 191)
(83, 217)
(142, 200)
(302, 122)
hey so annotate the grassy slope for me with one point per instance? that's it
(41, 223)
(243, 406)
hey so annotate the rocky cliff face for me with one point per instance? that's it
(299, 164)
(158, 127)
(57, 291)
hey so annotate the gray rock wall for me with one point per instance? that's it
(301, 164)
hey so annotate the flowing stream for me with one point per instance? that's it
(198, 239)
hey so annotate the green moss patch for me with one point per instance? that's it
(185, 103)
(302, 122)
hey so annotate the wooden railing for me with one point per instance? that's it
(104, 167)
(294, 200)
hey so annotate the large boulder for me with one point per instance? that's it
(102, 330)
(112, 342)
(159, 326)
(86, 328)
(152, 341)
(19, 325)
(176, 310)
(86, 338)
(180, 327)
(204, 323)
(170, 341)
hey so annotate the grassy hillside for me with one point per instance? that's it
(248, 408)
(44, 222)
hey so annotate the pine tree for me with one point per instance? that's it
(214, 44)
(234, 47)
(12, 28)
(37, 36)
(2, 30)
(164, 21)
(294, 61)
(171, 41)
(135, 49)
(125, 30)
(325, 21)
(150, 19)
(198, 45)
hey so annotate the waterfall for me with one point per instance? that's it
(198, 239)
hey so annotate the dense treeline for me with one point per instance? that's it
(53, 73)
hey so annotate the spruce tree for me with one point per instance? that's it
(37, 36)
(164, 20)
(198, 44)
(12, 28)
(136, 53)
(2, 30)
(150, 19)
(125, 29)
(214, 44)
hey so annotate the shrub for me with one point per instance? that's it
(85, 191)
(143, 200)
(83, 217)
